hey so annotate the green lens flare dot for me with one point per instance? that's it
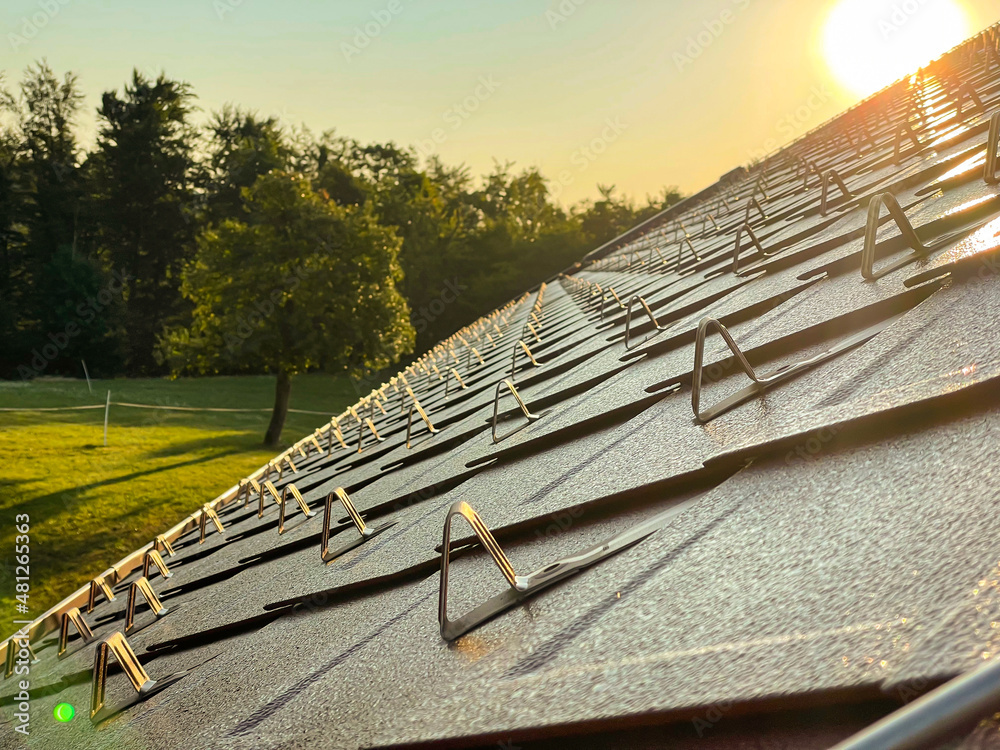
(64, 712)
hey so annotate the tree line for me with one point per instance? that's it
(242, 243)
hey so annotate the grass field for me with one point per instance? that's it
(90, 505)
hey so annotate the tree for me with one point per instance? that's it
(82, 318)
(50, 174)
(522, 238)
(242, 147)
(428, 209)
(12, 279)
(72, 225)
(48, 319)
(143, 198)
(667, 197)
(608, 217)
(301, 284)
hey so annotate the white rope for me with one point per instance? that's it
(150, 406)
(51, 408)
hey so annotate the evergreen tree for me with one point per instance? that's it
(242, 147)
(143, 195)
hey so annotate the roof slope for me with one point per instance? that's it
(802, 518)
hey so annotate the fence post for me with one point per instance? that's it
(107, 408)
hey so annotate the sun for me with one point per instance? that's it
(869, 44)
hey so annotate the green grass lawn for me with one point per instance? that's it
(90, 505)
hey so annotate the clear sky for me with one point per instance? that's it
(634, 93)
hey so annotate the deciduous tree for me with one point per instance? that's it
(301, 283)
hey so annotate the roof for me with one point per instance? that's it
(787, 533)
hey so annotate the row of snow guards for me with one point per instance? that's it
(737, 470)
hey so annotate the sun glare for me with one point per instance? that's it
(868, 44)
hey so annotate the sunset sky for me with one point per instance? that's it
(635, 94)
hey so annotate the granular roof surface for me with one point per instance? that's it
(789, 530)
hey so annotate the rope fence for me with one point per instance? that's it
(153, 406)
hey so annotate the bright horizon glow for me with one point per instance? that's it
(869, 44)
(754, 75)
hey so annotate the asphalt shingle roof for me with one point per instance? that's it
(819, 553)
